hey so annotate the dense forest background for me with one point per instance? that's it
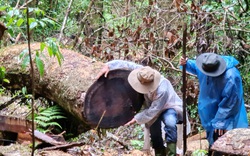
(149, 32)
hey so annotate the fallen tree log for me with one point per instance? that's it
(106, 103)
(234, 142)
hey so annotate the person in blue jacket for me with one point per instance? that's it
(220, 102)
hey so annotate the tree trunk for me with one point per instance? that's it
(110, 102)
(234, 142)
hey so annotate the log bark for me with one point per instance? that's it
(68, 84)
(234, 142)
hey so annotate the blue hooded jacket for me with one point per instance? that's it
(220, 102)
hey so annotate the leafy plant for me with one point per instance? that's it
(138, 132)
(2, 90)
(200, 152)
(53, 50)
(2, 75)
(15, 19)
(3, 79)
(137, 144)
(193, 111)
(47, 118)
(244, 69)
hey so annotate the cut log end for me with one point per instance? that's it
(111, 102)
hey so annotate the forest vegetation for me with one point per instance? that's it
(148, 32)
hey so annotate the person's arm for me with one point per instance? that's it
(229, 105)
(117, 64)
(122, 64)
(190, 65)
(155, 108)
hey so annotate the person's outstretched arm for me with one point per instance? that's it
(117, 64)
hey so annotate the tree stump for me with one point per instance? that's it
(234, 142)
(110, 101)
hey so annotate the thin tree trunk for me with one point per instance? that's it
(65, 20)
(82, 22)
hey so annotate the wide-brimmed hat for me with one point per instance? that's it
(211, 64)
(144, 80)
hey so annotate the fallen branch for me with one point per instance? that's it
(64, 147)
(45, 138)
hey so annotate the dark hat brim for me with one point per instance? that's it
(221, 69)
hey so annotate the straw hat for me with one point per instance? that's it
(211, 64)
(144, 80)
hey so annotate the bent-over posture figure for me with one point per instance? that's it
(162, 104)
(220, 104)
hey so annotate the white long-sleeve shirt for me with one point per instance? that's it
(164, 97)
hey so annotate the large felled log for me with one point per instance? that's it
(107, 103)
(234, 142)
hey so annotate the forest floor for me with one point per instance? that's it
(88, 150)
(122, 141)
(97, 147)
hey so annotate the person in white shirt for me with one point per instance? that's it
(162, 104)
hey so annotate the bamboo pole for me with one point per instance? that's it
(184, 91)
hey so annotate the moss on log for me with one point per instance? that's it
(66, 84)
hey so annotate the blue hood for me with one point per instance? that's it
(230, 61)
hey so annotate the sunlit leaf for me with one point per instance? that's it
(6, 80)
(2, 8)
(10, 22)
(42, 46)
(40, 65)
(31, 20)
(33, 25)
(23, 53)
(19, 22)
(13, 12)
(137, 144)
(25, 61)
(2, 73)
(48, 21)
(24, 90)
(31, 10)
(42, 23)
(50, 51)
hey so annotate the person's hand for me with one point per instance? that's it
(220, 132)
(105, 71)
(130, 122)
(183, 61)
